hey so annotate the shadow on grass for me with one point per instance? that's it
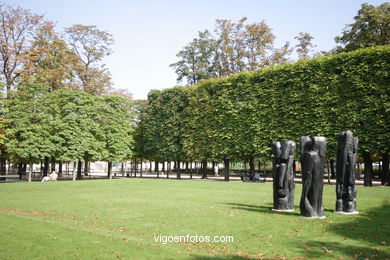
(261, 209)
(363, 236)
(216, 257)
(370, 230)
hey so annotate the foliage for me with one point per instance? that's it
(75, 128)
(238, 117)
(28, 131)
(371, 28)
(235, 47)
(305, 45)
(69, 125)
(116, 119)
(197, 59)
(49, 61)
(17, 25)
(90, 45)
(164, 123)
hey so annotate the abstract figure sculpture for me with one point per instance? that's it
(345, 173)
(284, 185)
(313, 150)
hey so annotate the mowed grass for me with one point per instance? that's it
(111, 219)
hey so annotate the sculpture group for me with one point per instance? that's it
(313, 151)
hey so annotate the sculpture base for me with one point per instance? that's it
(283, 210)
(347, 213)
(313, 217)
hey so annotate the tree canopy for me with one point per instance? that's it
(371, 28)
(238, 117)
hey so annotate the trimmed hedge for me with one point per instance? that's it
(238, 117)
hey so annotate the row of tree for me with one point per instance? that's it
(234, 47)
(31, 51)
(67, 126)
(236, 118)
(40, 117)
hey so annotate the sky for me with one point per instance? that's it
(149, 33)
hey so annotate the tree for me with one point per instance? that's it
(371, 28)
(90, 45)
(234, 47)
(116, 118)
(29, 135)
(305, 45)
(238, 117)
(17, 26)
(49, 61)
(164, 124)
(197, 59)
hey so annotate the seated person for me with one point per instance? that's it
(46, 178)
(53, 176)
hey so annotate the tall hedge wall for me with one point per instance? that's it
(239, 116)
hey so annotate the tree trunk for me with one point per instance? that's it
(167, 170)
(127, 171)
(328, 168)
(191, 169)
(226, 169)
(385, 169)
(251, 167)
(79, 168)
(60, 168)
(140, 169)
(74, 171)
(204, 169)
(156, 164)
(41, 168)
(20, 169)
(123, 169)
(86, 168)
(52, 164)
(30, 172)
(109, 168)
(178, 170)
(333, 174)
(135, 167)
(367, 169)
(3, 164)
(156, 167)
(46, 166)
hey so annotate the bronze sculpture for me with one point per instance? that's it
(313, 150)
(283, 181)
(345, 173)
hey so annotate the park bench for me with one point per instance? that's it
(9, 178)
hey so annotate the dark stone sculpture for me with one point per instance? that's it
(313, 150)
(345, 173)
(284, 185)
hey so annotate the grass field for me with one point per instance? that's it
(111, 219)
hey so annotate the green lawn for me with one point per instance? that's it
(111, 219)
